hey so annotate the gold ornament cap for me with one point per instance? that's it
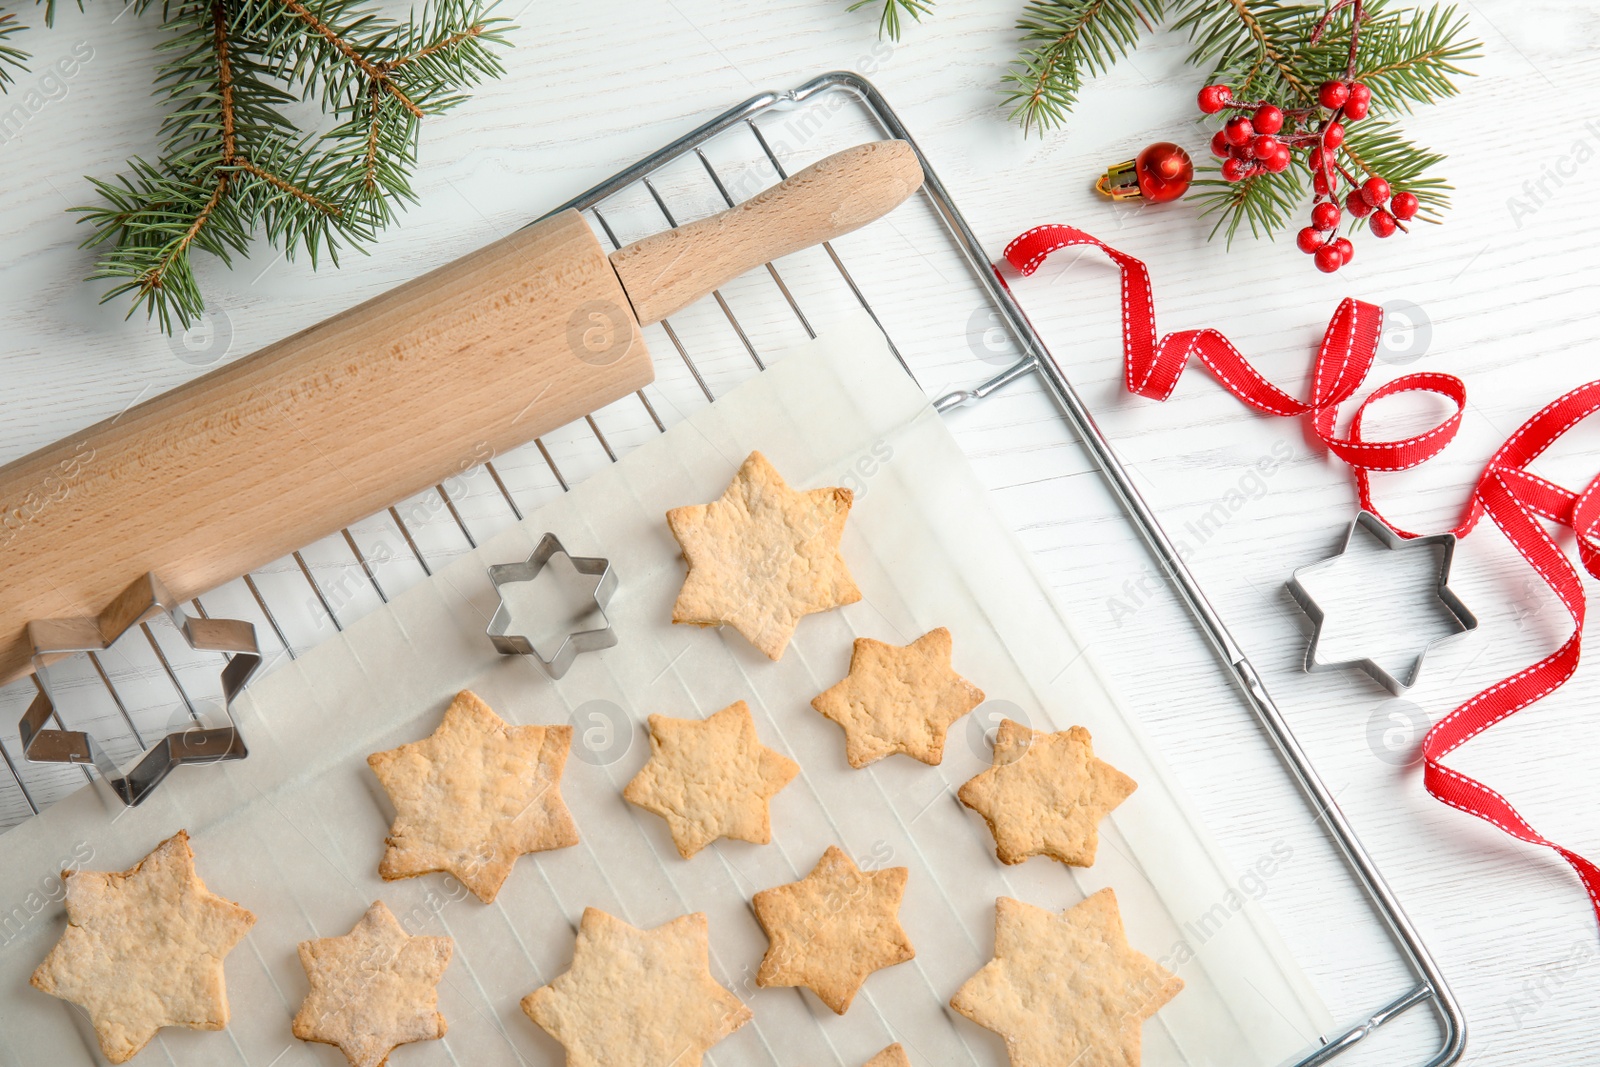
(1120, 182)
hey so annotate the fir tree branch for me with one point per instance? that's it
(1414, 57)
(1377, 149)
(1277, 52)
(13, 60)
(376, 73)
(369, 166)
(436, 47)
(1066, 40)
(889, 24)
(219, 21)
(153, 278)
(233, 163)
(1404, 57)
(1260, 47)
(1265, 202)
(283, 185)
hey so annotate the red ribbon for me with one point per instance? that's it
(1512, 497)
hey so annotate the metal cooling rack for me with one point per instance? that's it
(916, 270)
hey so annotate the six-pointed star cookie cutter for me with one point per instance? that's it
(51, 640)
(1464, 619)
(510, 643)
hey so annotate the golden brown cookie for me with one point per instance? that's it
(1045, 794)
(893, 1056)
(372, 989)
(473, 796)
(143, 949)
(1066, 988)
(637, 998)
(833, 928)
(899, 699)
(710, 778)
(762, 556)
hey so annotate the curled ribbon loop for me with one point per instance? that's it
(1349, 347)
(1515, 501)
(1513, 498)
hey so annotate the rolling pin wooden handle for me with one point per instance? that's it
(667, 271)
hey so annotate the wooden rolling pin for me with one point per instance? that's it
(273, 451)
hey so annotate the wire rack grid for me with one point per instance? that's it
(923, 277)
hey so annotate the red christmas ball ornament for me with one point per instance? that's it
(1382, 224)
(1325, 216)
(1355, 108)
(1357, 205)
(1332, 95)
(1404, 206)
(1329, 259)
(1375, 190)
(1267, 119)
(1213, 98)
(1308, 240)
(1159, 174)
(1238, 130)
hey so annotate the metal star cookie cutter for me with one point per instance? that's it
(51, 640)
(1464, 619)
(509, 643)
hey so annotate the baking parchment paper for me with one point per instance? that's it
(295, 832)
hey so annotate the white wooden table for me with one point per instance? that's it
(1501, 287)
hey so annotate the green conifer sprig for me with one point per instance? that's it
(13, 60)
(1275, 51)
(233, 163)
(1411, 56)
(1065, 41)
(889, 24)
(1264, 47)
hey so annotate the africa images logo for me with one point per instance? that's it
(600, 332)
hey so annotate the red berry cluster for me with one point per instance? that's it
(1263, 141)
(1246, 145)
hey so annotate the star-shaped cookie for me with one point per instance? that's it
(710, 778)
(143, 949)
(473, 796)
(893, 1056)
(1066, 988)
(899, 699)
(833, 928)
(637, 998)
(762, 556)
(1045, 794)
(372, 989)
